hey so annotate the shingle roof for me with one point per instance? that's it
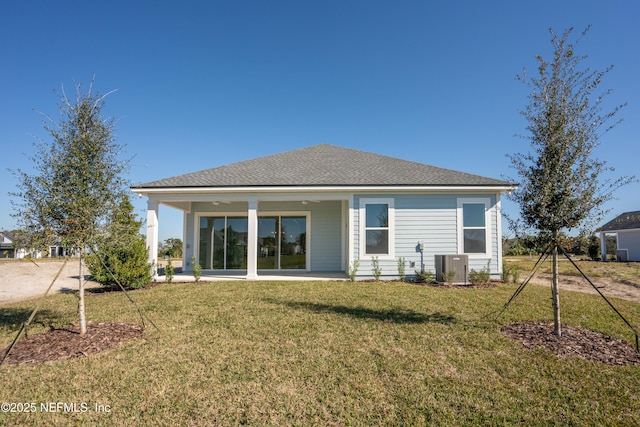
(626, 221)
(324, 165)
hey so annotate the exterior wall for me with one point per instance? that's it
(630, 240)
(430, 219)
(189, 244)
(326, 236)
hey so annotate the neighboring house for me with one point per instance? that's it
(318, 209)
(626, 227)
(7, 248)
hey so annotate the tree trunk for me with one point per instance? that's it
(82, 319)
(557, 327)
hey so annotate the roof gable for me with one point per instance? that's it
(324, 165)
(625, 221)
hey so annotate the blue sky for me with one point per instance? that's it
(205, 83)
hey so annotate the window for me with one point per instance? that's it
(376, 230)
(473, 226)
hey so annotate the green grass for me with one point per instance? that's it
(326, 353)
(622, 271)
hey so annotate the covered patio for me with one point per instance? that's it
(212, 276)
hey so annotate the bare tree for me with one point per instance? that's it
(76, 182)
(562, 186)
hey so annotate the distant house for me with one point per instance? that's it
(7, 249)
(626, 227)
(321, 208)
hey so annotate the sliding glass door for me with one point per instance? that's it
(223, 243)
(282, 243)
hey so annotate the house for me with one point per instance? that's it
(7, 246)
(319, 209)
(626, 227)
(11, 248)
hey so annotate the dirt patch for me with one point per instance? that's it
(67, 343)
(623, 289)
(22, 279)
(588, 345)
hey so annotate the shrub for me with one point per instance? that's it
(480, 277)
(353, 269)
(594, 249)
(515, 273)
(168, 271)
(375, 268)
(425, 276)
(401, 271)
(197, 269)
(449, 276)
(510, 274)
(125, 265)
(121, 255)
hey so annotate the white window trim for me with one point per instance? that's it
(196, 230)
(362, 223)
(487, 221)
(307, 215)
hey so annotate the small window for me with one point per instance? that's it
(376, 216)
(472, 214)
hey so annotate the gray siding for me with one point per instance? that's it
(630, 240)
(326, 236)
(188, 239)
(427, 219)
(430, 219)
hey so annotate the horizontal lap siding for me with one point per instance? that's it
(630, 240)
(188, 238)
(326, 236)
(427, 219)
(432, 220)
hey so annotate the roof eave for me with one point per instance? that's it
(322, 188)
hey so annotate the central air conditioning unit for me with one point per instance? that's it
(458, 265)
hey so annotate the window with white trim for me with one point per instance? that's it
(376, 227)
(473, 226)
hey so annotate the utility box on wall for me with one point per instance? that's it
(457, 264)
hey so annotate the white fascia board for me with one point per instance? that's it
(321, 189)
(625, 230)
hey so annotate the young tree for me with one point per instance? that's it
(561, 184)
(172, 247)
(121, 254)
(77, 180)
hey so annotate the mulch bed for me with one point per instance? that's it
(62, 344)
(589, 345)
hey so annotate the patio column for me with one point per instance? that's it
(152, 236)
(603, 246)
(350, 233)
(252, 239)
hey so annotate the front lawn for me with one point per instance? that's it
(324, 353)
